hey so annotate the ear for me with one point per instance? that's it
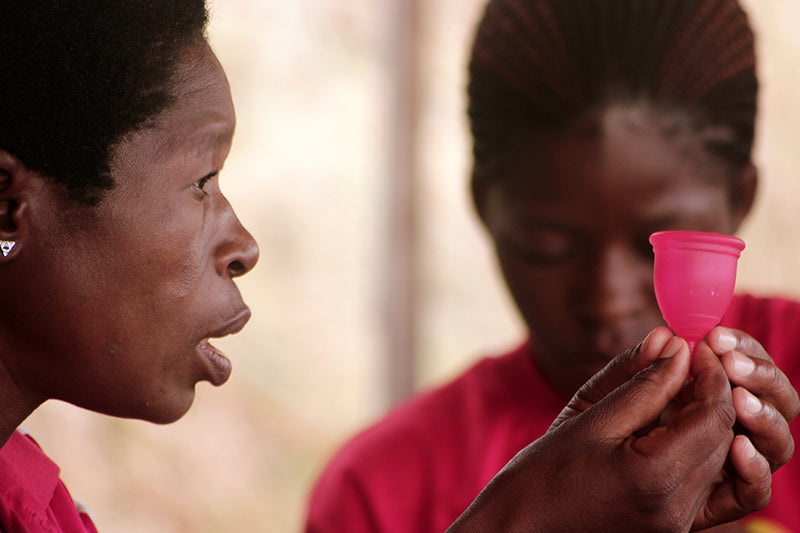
(16, 186)
(743, 193)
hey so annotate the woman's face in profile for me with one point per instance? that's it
(571, 220)
(131, 290)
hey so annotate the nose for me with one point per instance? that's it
(237, 252)
(617, 283)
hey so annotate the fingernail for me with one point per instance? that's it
(743, 365)
(644, 342)
(752, 404)
(727, 341)
(749, 450)
(672, 347)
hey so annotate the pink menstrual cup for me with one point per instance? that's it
(694, 277)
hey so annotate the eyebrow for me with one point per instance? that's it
(211, 138)
(214, 137)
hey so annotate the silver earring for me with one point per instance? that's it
(6, 247)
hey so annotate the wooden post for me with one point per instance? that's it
(400, 299)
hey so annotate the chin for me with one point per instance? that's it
(171, 412)
(166, 410)
(166, 418)
(157, 405)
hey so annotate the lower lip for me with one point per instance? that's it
(217, 365)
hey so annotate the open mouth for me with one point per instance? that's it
(218, 366)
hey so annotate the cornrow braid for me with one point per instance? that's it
(540, 63)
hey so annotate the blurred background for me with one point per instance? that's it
(338, 102)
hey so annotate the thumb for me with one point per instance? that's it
(638, 402)
(621, 369)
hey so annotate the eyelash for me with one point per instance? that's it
(199, 184)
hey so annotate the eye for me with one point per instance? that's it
(544, 247)
(199, 185)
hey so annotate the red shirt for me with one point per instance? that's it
(32, 497)
(418, 469)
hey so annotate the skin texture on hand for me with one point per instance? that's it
(765, 403)
(636, 449)
(764, 399)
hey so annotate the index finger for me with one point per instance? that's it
(622, 368)
(750, 366)
(723, 340)
(704, 424)
(638, 402)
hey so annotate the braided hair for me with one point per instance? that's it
(75, 76)
(539, 64)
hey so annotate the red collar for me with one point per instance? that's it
(26, 472)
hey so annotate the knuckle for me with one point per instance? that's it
(774, 434)
(787, 400)
(793, 408)
(723, 412)
(645, 384)
(752, 347)
(770, 372)
(759, 497)
(654, 483)
(787, 454)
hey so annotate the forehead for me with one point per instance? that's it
(631, 150)
(202, 113)
(200, 118)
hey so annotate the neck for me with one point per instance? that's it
(565, 383)
(15, 404)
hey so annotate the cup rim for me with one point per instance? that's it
(697, 240)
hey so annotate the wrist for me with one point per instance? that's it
(510, 502)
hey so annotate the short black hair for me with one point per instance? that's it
(77, 75)
(539, 64)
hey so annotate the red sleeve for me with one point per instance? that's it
(340, 504)
(378, 483)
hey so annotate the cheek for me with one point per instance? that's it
(171, 258)
(542, 295)
(152, 284)
(187, 274)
